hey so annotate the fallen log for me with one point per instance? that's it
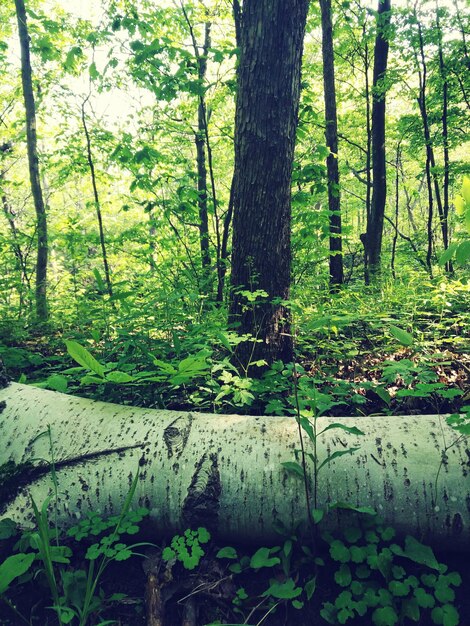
(224, 471)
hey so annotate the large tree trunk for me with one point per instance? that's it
(271, 43)
(36, 190)
(331, 136)
(224, 471)
(375, 223)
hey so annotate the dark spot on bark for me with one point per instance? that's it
(176, 435)
(457, 524)
(407, 482)
(201, 505)
(388, 491)
(378, 443)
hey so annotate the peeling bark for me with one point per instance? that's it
(225, 472)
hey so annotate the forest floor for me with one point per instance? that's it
(365, 371)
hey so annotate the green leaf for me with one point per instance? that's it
(295, 468)
(14, 566)
(448, 254)
(398, 588)
(203, 535)
(8, 528)
(401, 335)
(310, 587)
(466, 189)
(383, 394)
(263, 558)
(385, 616)
(339, 552)
(343, 576)
(283, 591)
(119, 377)
(99, 281)
(57, 382)
(446, 615)
(94, 74)
(463, 252)
(410, 609)
(336, 455)
(424, 599)
(317, 515)
(367, 510)
(168, 554)
(419, 553)
(353, 430)
(84, 358)
(444, 593)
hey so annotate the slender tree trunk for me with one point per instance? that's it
(36, 190)
(431, 175)
(152, 241)
(397, 207)
(17, 251)
(272, 33)
(379, 183)
(96, 197)
(445, 138)
(368, 131)
(331, 136)
(368, 151)
(200, 139)
(224, 248)
(225, 472)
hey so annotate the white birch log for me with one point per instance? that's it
(224, 471)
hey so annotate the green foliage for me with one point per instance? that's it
(75, 592)
(384, 582)
(187, 548)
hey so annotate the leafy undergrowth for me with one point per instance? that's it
(357, 353)
(365, 575)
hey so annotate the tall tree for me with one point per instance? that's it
(331, 136)
(96, 198)
(34, 175)
(200, 140)
(375, 221)
(271, 44)
(445, 135)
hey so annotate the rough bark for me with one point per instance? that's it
(224, 471)
(331, 136)
(33, 161)
(375, 223)
(271, 43)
